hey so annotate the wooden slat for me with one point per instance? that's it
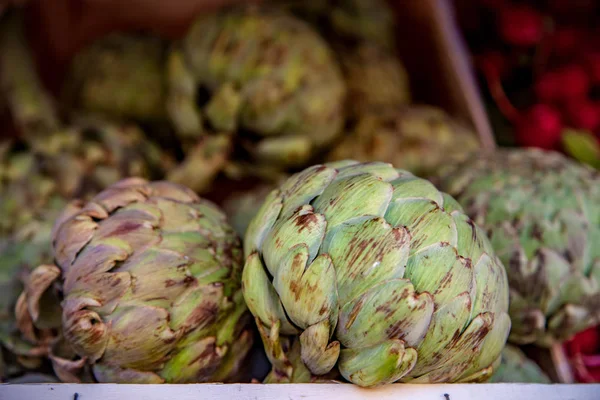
(438, 62)
(299, 392)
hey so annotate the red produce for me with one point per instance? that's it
(547, 87)
(593, 67)
(492, 62)
(584, 115)
(521, 25)
(574, 82)
(566, 41)
(586, 342)
(584, 354)
(571, 7)
(540, 126)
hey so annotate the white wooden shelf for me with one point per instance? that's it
(497, 391)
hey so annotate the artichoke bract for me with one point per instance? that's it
(516, 367)
(418, 138)
(263, 74)
(542, 212)
(377, 273)
(151, 278)
(376, 79)
(119, 75)
(348, 21)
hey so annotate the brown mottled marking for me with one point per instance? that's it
(208, 351)
(305, 221)
(323, 309)
(354, 313)
(124, 228)
(116, 282)
(157, 298)
(394, 330)
(295, 289)
(473, 229)
(170, 340)
(203, 315)
(169, 282)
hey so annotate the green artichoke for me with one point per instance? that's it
(542, 212)
(362, 34)
(516, 367)
(119, 75)
(151, 278)
(420, 139)
(122, 76)
(347, 21)
(263, 74)
(375, 272)
(376, 80)
(371, 20)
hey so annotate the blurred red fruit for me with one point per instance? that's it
(584, 115)
(540, 126)
(547, 87)
(574, 82)
(521, 25)
(566, 41)
(492, 63)
(586, 342)
(570, 7)
(593, 67)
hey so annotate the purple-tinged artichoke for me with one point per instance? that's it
(150, 276)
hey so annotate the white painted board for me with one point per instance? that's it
(498, 391)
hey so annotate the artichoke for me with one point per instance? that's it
(348, 21)
(263, 74)
(376, 80)
(122, 76)
(119, 75)
(516, 367)
(151, 279)
(542, 212)
(35, 184)
(362, 35)
(420, 139)
(377, 273)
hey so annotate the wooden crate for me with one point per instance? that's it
(498, 391)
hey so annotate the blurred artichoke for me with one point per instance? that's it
(151, 279)
(362, 34)
(420, 139)
(376, 80)
(119, 75)
(371, 20)
(377, 272)
(516, 367)
(542, 212)
(263, 74)
(348, 21)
